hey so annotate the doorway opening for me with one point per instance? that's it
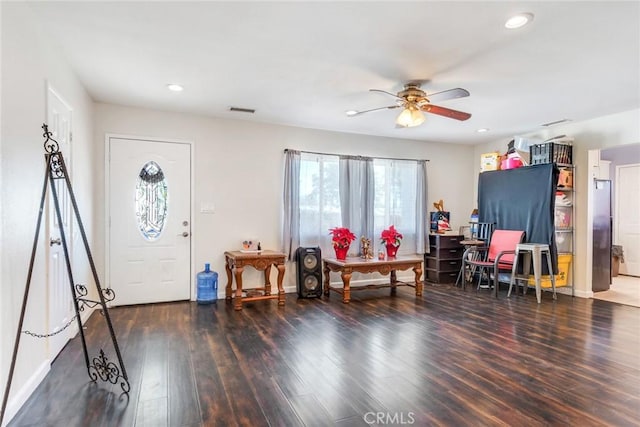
(621, 164)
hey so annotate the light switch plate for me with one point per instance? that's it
(207, 208)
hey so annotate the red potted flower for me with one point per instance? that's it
(341, 240)
(391, 238)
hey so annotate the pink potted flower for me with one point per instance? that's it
(341, 240)
(391, 238)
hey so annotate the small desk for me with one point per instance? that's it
(235, 263)
(356, 264)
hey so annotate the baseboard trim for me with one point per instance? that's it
(582, 294)
(20, 397)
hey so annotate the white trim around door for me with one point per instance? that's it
(108, 244)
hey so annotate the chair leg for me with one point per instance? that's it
(496, 281)
(464, 276)
(551, 275)
(480, 274)
(514, 269)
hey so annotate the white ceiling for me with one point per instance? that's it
(304, 64)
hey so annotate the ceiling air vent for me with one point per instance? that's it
(557, 122)
(242, 110)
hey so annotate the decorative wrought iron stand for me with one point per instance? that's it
(98, 367)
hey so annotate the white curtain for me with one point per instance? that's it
(357, 196)
(422, 219)
(291, 196)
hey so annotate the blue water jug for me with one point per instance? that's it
(207, 285)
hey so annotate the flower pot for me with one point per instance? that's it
(341, 253)
(391, 251)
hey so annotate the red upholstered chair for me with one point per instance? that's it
(499, 256)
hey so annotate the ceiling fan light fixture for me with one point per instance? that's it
(519, 20)
(411, 116)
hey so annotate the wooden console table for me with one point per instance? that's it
(235, 263)
(356, 264)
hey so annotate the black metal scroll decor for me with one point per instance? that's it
(107, 371)
(99, 367)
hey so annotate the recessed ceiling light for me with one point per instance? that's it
(174, 87)
(483, 130)
(351, 112)
(519, 20)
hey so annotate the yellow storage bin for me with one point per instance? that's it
(564, 263)
(490, 161)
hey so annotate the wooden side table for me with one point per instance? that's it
(235, 263)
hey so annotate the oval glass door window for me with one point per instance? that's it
(151, 201)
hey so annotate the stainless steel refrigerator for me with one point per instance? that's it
(602, 235)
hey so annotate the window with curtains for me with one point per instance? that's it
(362, 194)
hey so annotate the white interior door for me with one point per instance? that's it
(60, 299)
(628, 217)
(150, 220)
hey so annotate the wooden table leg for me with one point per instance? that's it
(237, 302)
(346, 291)
(418, 273)
(326, 280)
(281, 296)
(393, 279)
(267, 280)
(227, 289)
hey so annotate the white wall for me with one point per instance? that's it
(603, 132)
(239, 167)
(28, 62)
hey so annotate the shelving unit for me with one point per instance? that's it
(564, 226)
(560, 152)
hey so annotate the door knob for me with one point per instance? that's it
(184, 234)
(53, 241)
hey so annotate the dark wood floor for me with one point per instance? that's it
(449, 358)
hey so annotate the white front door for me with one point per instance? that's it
(628, 217)
(60, 299)
(150, 220)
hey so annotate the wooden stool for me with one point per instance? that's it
(532, 251)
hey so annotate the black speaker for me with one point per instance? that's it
(309, 272)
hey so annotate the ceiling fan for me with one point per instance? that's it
(414, 101)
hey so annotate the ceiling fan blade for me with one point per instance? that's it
(357, 113)
(447, 112)
(384, 91)
(448, 94)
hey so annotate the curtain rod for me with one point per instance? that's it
(373, 157)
